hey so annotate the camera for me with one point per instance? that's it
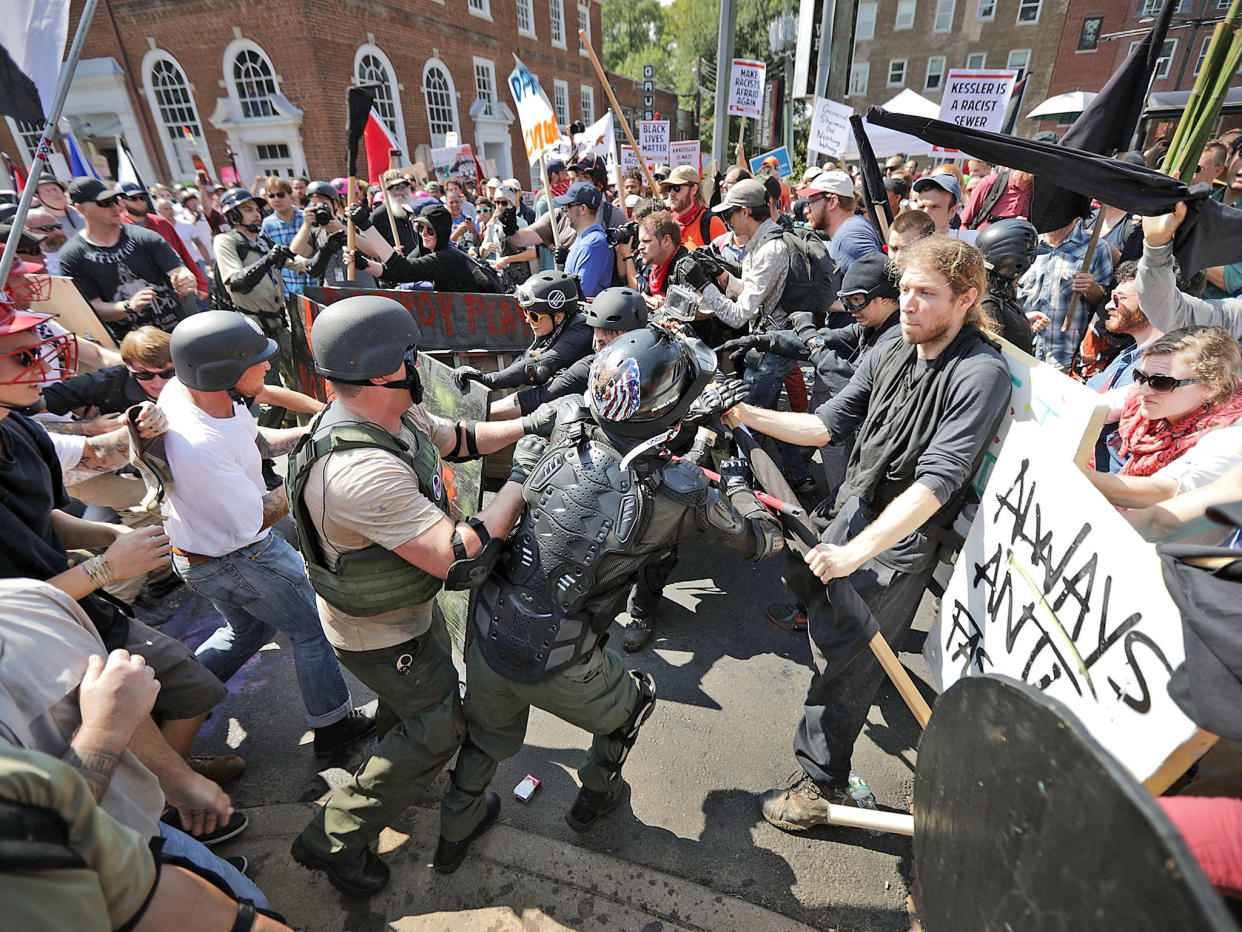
(321, 215)
(626, 233)
(681, 303)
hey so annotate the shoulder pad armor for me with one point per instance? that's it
(684, 483)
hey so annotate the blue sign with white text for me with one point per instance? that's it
(784, 165)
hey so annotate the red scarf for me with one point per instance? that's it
(687, 220)
(1152, 445)
(656, 274)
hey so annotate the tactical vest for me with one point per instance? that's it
(581, 507)
(375, 579)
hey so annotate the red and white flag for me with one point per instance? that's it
(378, 140)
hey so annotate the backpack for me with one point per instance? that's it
(991, 199)
(486, 278)
(814, 279)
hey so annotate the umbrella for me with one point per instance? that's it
(1063, 107)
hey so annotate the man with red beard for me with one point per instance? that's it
(682, 189)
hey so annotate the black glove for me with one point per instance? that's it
(724, 393)
(508, 221)
(278, 255)
(734, 475)
(542, 419)
(691, 272)
(525, 455)
(777, 342)
(337, 240)
(464, 374)
(707, 261)
(360, 214)
(803, 324)
(362, 260)
(538, 371)
(245, 281)
(562, 255)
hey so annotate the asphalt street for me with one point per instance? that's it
(730, 686)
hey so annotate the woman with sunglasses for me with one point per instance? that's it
(1180, 426)
(512, 261)
(441, 263)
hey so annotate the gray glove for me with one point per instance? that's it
(465, 374)
(723, 394)
(525, 455)
(542, 419)
(734, 475)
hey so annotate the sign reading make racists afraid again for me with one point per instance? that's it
(746, 88)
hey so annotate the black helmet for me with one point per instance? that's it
(361, 338)
(1009, 246)
(547, 292)
(323, 189)
(212, 349)
(617, 309)
(643, 383)
(233, 199)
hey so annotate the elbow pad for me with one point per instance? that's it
(470, 572)
(464, 434)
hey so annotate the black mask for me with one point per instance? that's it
(412, 381)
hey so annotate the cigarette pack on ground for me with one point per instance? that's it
(526, 789)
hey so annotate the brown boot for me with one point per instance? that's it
(638, 632)
(222, 768)
(801, 805)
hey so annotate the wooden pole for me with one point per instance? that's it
(393, 156)
(1086, 267)
(547, 192)
(349, 227)
(616, 109)
(898, 823)
(901, 679)
(1177, 763)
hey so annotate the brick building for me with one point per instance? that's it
(262, 85)
(1099, 34)
(913, 44)
(664, 102)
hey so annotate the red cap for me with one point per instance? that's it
(13, 320)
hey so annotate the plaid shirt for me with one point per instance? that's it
(1047, 287)
(280, 232)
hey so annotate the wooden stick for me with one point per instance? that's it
(547, 191)
(350, 273)
(616, 110)
(901, 679)
(1179, 761)
(874, 819)
(393, 155)
(1086, 267)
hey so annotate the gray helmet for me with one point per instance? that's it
(617, 309)
(363, 337)
(212, 349)
(323, 189)
(1009, 246)
(233, 199)
(643, 383)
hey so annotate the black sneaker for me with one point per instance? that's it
(591, 806)
(365, 875)
(239, 861)
(331, 739)
(450, 854)
(638, 632)
(230, 829)
(788, 615)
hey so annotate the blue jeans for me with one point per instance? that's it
(261, 589)
(178, 844)
(766, 381)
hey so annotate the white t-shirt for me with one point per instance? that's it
(216, 503)
(69, 448)
(1207, 460)
(962, 233)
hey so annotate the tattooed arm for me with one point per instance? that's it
(275, 506)
(114, 697)
(273, 442)
(105, 453)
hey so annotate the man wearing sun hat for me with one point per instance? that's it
(684, 193)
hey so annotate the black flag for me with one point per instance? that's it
(873, 183)
(360, 99)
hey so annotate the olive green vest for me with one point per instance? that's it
(373, 580)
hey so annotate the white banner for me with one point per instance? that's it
(539, 130)
(746, 88)
(1054, 588)
(977, 99)
(599, 140)
(830, 127)
(685, 152)
(653, 139)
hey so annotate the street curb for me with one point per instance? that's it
(511, 880)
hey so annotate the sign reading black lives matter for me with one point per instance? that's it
(1054, 588)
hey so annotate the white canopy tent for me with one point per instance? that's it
(886, 142)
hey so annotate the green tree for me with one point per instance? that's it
(633, 37)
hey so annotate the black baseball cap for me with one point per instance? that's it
(898, 186)
(27, 240)
(82, 190)
(871, 275)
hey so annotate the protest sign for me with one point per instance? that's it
(830, 126)
(685, 152)
(538, 119)
(653, 139)
(599, 141)
(629, 159)
(454, 162)
(785, 167)
(1054, 588)
(977, 99)
(746, 88)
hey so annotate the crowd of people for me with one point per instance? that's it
(662, 322)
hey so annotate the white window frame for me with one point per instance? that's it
(1025, 4)
(437, 139)
(860, 77)
(1151, 7)
(394, 89)
(1203, 50)
(529, 7)
(232, 52)
(905, 70)
(1165, 69)
(985, 12)
(945, 11)
(21, 134)
(173, 145)
(911, 7)
(489, 67)
(480, 8)
(1024, 67)
(927, 86)
(977, 66)
(866, 16)
(556, 23)
(586, 99)
(560, 101)
(584, 24)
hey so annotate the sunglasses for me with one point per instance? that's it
(107, 202)
(501, 205)
(275, 194)
(675, 188)
(148, 376)
(399, 186)
(47, 229)
(1161, 383)
(534, 316)
(483, 210)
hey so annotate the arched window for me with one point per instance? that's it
(254, 83)
(371, 66)
(172, 103)
(441, 101)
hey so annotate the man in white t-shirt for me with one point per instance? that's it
(219, 515)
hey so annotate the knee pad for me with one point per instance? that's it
(627, 734)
